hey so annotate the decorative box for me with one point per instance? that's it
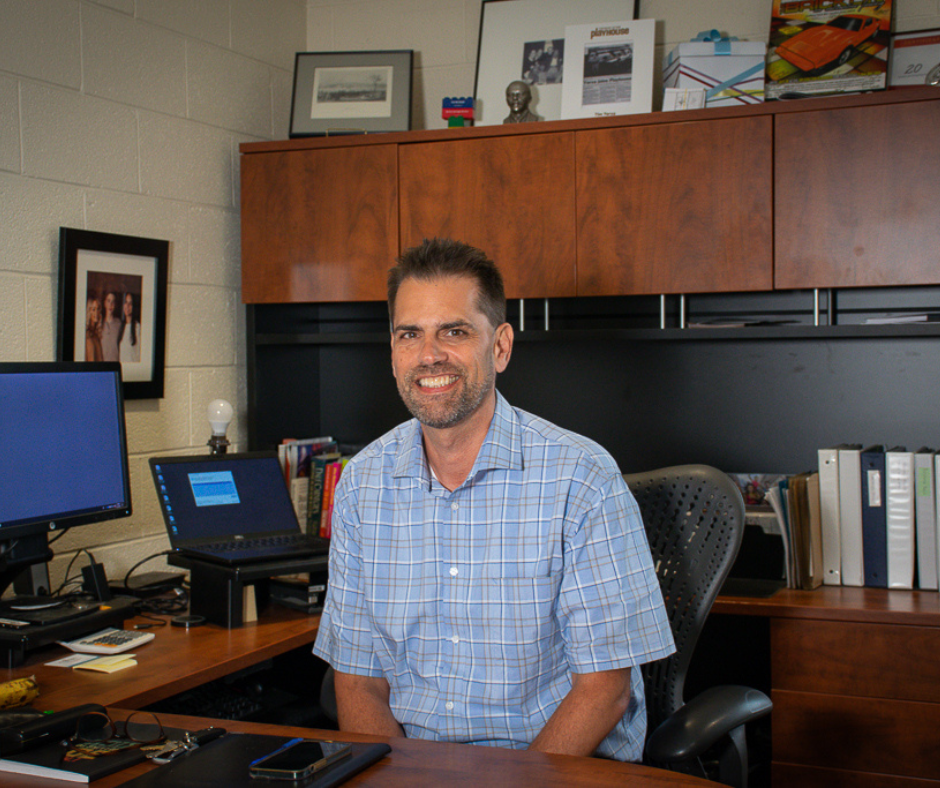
(730, 71)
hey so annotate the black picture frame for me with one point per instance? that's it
(94, 266)
(332, 93)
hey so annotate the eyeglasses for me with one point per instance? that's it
(97, 734)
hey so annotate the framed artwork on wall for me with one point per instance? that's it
(351, 93)
(524, 40)
(112, 305)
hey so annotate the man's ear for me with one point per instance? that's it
(502, 346)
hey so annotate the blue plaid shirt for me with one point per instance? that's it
(477, 605)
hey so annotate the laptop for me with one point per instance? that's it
(230, 509)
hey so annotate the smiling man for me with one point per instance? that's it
(490, 579)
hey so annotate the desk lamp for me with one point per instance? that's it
(220, 416)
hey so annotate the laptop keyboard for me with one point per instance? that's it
(262, 543)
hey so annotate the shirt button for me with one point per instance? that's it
(449, 706)
(455, 639)
(455, 506)
(454, 571)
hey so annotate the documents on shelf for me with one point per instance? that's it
(899, 516)
(925, 518)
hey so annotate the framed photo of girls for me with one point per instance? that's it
(112, 305)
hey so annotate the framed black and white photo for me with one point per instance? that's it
(610, 69)
(525, 40)
(112, 305)
(351, 93)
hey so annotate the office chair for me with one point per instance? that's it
(694, 519)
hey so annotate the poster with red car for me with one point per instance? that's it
(827, 46)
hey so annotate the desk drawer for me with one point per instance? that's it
(786, 775)
(889, 737)
(863, 660)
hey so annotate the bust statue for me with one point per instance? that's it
(518, 97)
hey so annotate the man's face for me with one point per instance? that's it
(445, 353)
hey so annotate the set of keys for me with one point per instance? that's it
(168, 750)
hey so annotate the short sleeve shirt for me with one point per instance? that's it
(477, 605)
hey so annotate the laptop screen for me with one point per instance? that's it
(218, 497)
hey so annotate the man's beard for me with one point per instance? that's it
(439, 412)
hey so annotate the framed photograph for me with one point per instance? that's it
(112, 305)
(610, 69)
(525, 40)
(351, 93)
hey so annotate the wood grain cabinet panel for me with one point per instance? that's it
(319, 225)
(844, 658)
(857, 734)
(512, 196)
(675, 208)
(857, 200)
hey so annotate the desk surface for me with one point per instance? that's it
(175, 660)
(421, 763)
(840, 603)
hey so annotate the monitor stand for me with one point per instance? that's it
(45, 627)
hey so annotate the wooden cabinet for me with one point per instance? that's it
(513, 197)
(677, 208)
(855, 686)
(319, 225)
(857, 201)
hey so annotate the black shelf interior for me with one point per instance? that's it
(761, 398)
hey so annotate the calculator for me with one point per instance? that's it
(108, 641)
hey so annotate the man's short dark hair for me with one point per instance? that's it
(440, 257)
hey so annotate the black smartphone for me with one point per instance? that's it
(299, 759)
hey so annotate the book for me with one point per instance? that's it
(874, 522)
(850, 515)
(899, 516)
(318, 465)
(925, 518)
(829, 515)
(47, 761)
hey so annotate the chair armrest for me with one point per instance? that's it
(701, 722)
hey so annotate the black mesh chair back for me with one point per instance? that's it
(694, 518)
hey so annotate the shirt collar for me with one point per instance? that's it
(501, 449)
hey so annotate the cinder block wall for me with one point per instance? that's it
(125, 116)
(444, 34)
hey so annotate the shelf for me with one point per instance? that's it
(763, 333)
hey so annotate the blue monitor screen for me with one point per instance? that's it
(63, 449)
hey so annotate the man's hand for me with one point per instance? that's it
(595, 704)
(362, 704)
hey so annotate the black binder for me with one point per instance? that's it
(224, 763)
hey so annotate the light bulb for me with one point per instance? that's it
(220, 415)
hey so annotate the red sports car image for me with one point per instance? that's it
(830, 44)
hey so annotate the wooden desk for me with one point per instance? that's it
(855, 682)
(176, 660)
(421, 763)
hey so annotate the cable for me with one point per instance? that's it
(66, 580)
(130, 571)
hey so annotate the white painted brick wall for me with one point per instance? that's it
(444, 35)
(125, 116)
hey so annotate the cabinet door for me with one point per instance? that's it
(858, 197)
(318, 225)
(513, 197)
(678, 208)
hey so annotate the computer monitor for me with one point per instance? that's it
(63, 455)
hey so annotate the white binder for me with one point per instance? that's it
(925, 519)
(829, 516)
(899, 513)
(850, 515)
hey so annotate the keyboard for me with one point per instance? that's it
(108, 641)
(261, 543)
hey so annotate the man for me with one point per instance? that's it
(518, 97)
(490, 579)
